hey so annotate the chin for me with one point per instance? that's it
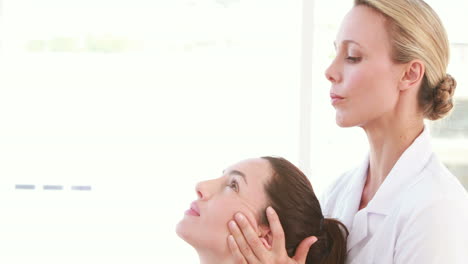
(343, 122)
(183, 231)
(349, 119)
(200, 240)
(179, 230)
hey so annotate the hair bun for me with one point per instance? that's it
(443, 94)
(448, 85)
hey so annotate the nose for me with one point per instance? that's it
(203, 190)
(332, 74)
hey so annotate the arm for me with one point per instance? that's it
(247, 248)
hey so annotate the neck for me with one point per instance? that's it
(388, 139)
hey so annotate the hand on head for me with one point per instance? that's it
(247, 247)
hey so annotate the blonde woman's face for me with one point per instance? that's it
(363, 76)
(239, 189)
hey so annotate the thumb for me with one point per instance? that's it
(303, 249)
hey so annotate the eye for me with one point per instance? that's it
(234, 185)
(353, 59)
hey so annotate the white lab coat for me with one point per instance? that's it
(419, 215)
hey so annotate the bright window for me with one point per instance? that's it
(111, 111)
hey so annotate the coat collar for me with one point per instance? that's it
(402, 176)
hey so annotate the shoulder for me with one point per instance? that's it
(436, 198)
(432, 215)
(435, 185)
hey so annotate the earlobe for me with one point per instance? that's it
(266, 236)
(413, 75)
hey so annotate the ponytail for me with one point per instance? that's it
(330, 247)
(291, 195)
(334, 237)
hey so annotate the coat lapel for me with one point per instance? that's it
(359, 229)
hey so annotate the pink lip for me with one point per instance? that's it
(194, 210)
(335, 98)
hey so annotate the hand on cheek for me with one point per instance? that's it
(247, 247)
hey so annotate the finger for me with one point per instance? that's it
(303, 249)
(235, 251)
(265, 243)
(251, 237)
(276, 230)
(242, 243)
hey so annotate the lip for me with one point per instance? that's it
(194, 210)
(335, 98)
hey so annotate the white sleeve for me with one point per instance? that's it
(437, 234)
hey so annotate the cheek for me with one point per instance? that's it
(214, 222)
(359, 86)
(369, 93)
(359, 80)
(210, 230)
(368, 75)
(221, 211)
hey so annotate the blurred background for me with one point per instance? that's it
(112, 111)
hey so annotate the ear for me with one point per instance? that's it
(265, 236)
(412, 75)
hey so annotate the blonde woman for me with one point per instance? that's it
(401, 205)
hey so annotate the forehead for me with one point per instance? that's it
(257, 171)
(365, 26)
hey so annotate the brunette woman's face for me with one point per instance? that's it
(239, 189)
(364, 78)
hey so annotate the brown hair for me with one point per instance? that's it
(416, 32)
(291, 195)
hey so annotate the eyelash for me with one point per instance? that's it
(234, 185)
(353, 59)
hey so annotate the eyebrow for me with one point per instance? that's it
(239, 173)
(347, 41)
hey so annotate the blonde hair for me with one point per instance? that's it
(416, 32)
